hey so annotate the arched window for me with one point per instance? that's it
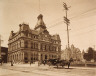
(49, 47)
(26, 33)
(45, 47)
(20, 43)
(41, 57)
(53, 48)
(25, 55)
(26, 44)
(36, 45)
(41, 46)
(32, 45)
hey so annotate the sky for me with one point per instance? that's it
(82, 15)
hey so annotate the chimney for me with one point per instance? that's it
(20, 26)
(12, 32)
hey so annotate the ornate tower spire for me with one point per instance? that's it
(40, 16)
(40, 22)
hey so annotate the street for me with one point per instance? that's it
(34, 70)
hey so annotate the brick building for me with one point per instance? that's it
(4, 53)
(33, 44)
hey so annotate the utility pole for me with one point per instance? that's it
(0, 47)
(66, 20)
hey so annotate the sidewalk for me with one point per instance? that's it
(43, 67)
(21, 64)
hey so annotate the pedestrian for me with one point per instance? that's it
(68, 64)
(38, 63)
(30, 63)
(44, 62)
(11, 63)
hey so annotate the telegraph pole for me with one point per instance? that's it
(66, 20)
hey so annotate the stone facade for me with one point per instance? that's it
(32, 45)
(71, 52)
(4, 53)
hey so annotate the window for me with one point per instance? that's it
(32, 45)
(41, 46)
(45, 47)
(26, 44)
(55, 48)
(36, 45)
(34, 36)
(20, 43)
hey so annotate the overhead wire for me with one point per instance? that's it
(84, 32)
(60, 22)
(76, 15)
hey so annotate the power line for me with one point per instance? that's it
(74, 16)
(84, 32)
(55, 24)
(84, 27)
(83, 13)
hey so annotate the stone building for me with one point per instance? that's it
(4, 53)
(71, 52)
(33, 44)
(66, 54)
(76, 53)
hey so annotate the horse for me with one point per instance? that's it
(58, 62)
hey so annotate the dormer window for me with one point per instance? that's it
(34, 36)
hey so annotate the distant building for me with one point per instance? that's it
(66, 54)
(4, 53)
(82, 56)
(71, 52)
(33, 44)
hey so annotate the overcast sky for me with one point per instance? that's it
(82, 15)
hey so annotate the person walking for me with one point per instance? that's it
(30, 63)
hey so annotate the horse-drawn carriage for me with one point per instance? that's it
(58, 62)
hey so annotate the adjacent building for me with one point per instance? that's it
(71, 52)
(4, 54)
(33, 44)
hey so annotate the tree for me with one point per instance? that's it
(90, 55)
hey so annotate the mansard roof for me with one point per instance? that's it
(35, 32)
(55, 37)
(40, 22)
(12, 34)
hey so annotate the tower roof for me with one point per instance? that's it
(40, 22)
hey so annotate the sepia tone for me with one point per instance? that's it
(47, 37)
(33, 45)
